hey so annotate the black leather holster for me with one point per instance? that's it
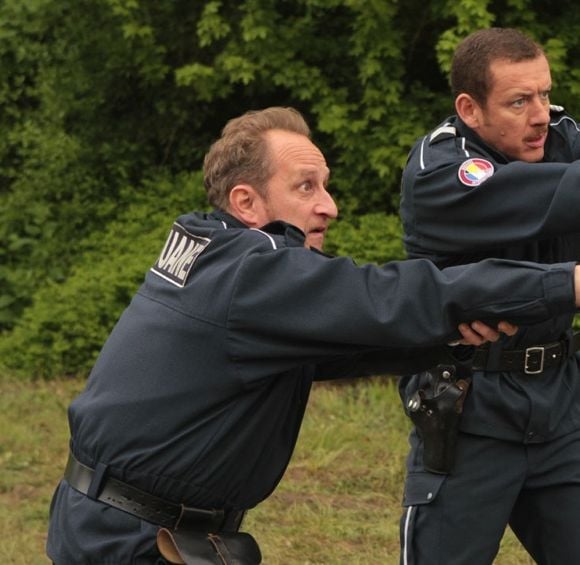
(197, 548)
(435, 409)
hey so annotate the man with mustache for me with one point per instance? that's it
(499, 179)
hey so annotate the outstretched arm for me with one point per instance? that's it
(477, 333)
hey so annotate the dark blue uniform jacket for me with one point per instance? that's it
(200, 390)
(455, 213)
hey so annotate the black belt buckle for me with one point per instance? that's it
(534, 357)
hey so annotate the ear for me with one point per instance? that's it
(247, 205)
(468, 110)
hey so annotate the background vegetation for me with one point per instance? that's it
(107, 107)
(338, 503)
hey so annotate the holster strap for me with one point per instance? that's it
(531, 360)
(154, 509)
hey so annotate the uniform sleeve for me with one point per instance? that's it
(293, 306)
(520, 201)
(385, 361)
(566, 136)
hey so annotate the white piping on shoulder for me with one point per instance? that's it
(421, 160)
(406, 536)
(565, 118)
(445, 128)
(268, 236)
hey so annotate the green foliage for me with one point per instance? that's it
(469, 15)
(372, 238)
(100, 95)
(64, 329)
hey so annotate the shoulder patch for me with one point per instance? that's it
(475, 171)
(179, 254)
(444, 132)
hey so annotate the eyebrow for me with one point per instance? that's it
(526, 90)
(308, 170)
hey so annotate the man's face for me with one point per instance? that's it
(516, 117)
(296, 192)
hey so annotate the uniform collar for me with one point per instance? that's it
(294, 236)
(228, 219)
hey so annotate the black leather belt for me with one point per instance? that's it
(95, 484)
(531, 360)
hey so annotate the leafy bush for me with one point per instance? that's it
(64, 329)
(371, 238)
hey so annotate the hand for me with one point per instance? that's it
(478, 333)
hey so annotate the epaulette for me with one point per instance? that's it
(446, 131)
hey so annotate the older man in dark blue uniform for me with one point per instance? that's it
(191, 413)
(500, 179)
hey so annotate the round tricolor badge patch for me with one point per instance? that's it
(474, 171)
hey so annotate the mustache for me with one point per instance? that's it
(538, 132)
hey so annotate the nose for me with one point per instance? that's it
(326, 205)
(540, 114)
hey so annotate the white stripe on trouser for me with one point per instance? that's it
(406, 535)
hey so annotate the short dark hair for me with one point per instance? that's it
(471, 66)
(241, 154)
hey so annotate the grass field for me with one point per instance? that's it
(339, 502)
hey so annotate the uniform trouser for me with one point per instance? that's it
(460, 518)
